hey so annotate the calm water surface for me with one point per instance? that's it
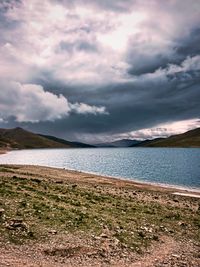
(174, 166)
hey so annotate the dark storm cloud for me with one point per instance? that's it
(189, 46)
(107, 67)
(148, 63)
(133, 106)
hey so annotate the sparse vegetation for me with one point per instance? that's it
(32, 207)
(71, 207)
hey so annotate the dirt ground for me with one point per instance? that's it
(176, 246)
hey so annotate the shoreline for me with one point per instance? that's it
(135, 181)
(124, 182)
(176, 190)
(179, 188)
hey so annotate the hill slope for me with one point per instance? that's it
(65, 142)
(21, 139)
(188, 139)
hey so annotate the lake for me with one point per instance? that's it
(170, 166)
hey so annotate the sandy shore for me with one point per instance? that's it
(57, 217)
(92, 178)
(80, 176)
(124, 182)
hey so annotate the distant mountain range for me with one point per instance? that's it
(188, 139)
(19, 138)
(119, 143)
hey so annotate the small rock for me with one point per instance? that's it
(53, 232)
(115, 241)
(155, 237)
(175, 256)
(103, 235)
(102, 254)
(183, 264)
(141, 234)
(16, 224)
(97, 237)
(59, 182)
(183, 224)
(1, 212)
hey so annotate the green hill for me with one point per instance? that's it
(188, 139)
(19, 138)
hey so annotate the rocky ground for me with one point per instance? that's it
(53, 217)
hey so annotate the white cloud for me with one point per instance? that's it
(30, 103)
(91, 42)
(163, 130)
(37, 48)
(82, 108)
(159, 131)
(161, 75)
(33, 45)
(189, 64)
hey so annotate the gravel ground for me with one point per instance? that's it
(75, 247)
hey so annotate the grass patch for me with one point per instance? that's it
(45, 205)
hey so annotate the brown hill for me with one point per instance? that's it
(188, 139)
(20, 138)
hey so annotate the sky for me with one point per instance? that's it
(98, 70)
